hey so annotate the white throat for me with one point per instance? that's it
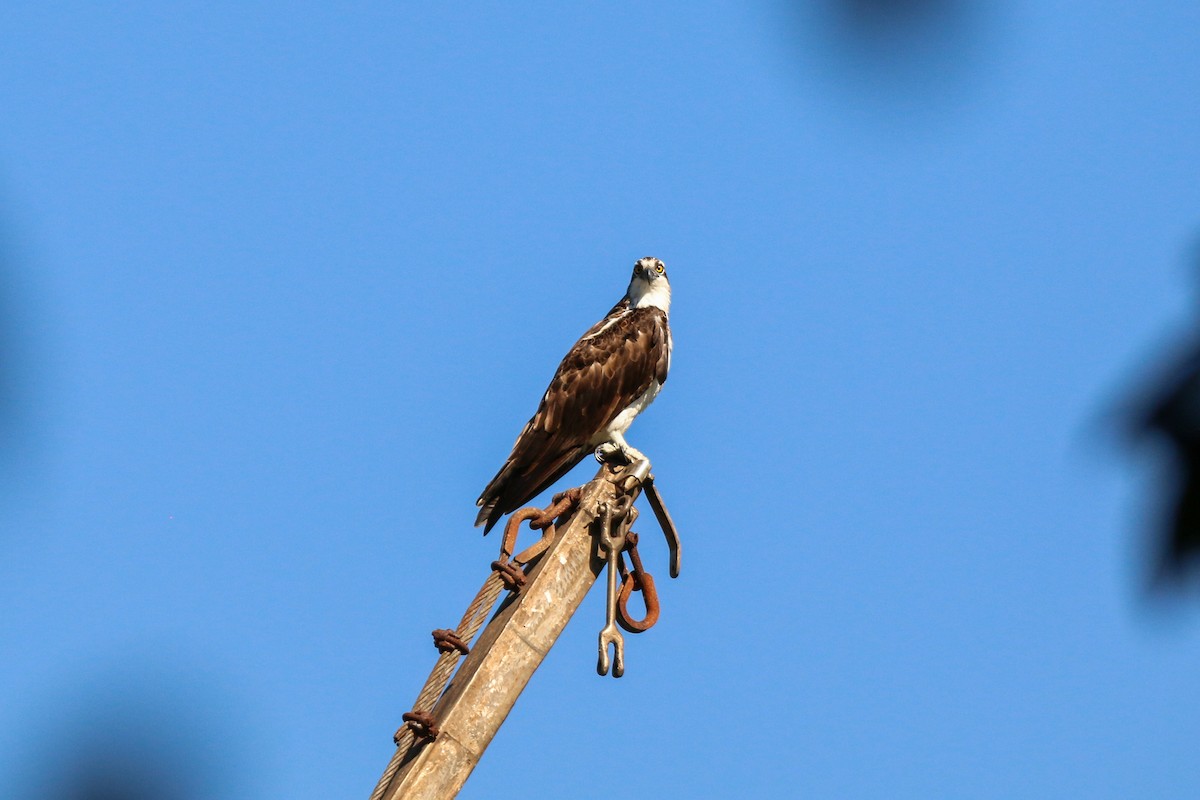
(656, 294)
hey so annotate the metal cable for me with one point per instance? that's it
(477, 613)
(506, 574)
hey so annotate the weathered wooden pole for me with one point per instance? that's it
(507, 653)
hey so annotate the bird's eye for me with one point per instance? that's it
(658, 269)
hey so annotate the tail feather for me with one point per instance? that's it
(515, 486)
(487, 514)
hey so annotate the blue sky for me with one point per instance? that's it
(280, 284)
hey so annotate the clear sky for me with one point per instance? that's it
(280, 283)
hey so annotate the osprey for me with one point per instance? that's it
(609, 377)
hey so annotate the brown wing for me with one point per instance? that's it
(607, 370)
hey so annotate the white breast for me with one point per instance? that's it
(622, 421)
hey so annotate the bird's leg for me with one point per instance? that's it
(633, 454)
(617, 450)
(630, 453)
(610, 453)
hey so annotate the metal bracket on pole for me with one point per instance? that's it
(611, 542)
(498, 665)
(505, 655)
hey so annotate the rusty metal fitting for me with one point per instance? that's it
(511, 574)
(638, 582)
(561, 504)
(446, 640)
(421, 723)
(539, 519)
(631, 543)
(508, 545)
(537, 548)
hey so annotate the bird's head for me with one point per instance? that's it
(649, 285)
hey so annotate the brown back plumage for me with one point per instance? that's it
(606, 371)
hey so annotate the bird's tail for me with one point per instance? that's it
(516, 483)
(487, 514)
(491, 497)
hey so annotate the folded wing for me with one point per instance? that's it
(603, 374)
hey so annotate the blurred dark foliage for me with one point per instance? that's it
(895, 39)
(1171, 413)
(118, 756)
(875, 13)
(113, 764)
(1166, 409)
(147, 736)
(108, 774)
(911, 54)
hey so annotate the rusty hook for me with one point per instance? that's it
(508, 545)
(539, 519)
(638, 581)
